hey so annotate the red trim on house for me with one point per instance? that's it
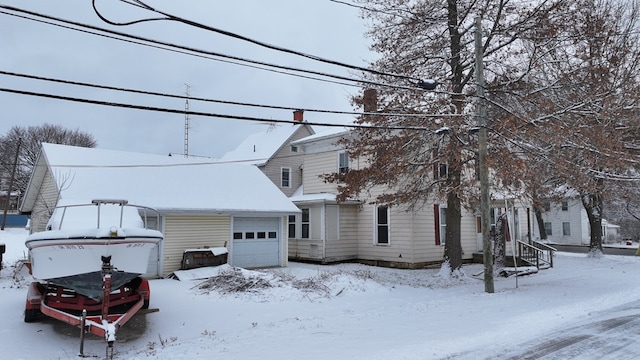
(436, 221)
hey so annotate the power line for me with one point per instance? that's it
(424, 84)
(204, 114)
(139, 40)
(181, 51)
(226, 102)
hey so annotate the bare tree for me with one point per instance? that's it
(588, 78)
(32, 138)
(435, 39)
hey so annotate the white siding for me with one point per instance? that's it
(44, 204)
(285, 158)
(316, 165)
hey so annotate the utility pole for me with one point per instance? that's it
(481, 115)
(186, 124)
(13, 176)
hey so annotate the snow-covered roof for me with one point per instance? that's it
(300, 197)
(169, 184)
(331, 133)
(258, 148)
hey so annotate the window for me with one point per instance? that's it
(285, 177)
(440, 223)
(343, 163)
(440, 171)
(565, 206)
(237, 236)
(566, 228)
(547, 206)
(249, 235)
(292, 226)
(294, 148)
(262, 235)
(547, 228)
(305, 223)
(516, 225)
(382, 225)
(442, 229)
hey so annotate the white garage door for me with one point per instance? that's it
(256, 242)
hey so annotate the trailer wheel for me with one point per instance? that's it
(31, 315)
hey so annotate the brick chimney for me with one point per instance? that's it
(370, 100)
(298, 115)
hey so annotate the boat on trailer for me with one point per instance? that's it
(69, 253)
(89, 271)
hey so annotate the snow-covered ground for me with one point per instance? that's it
(346, 311)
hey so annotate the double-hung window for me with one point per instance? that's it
(343, 163)
(382, 225)
(285, 177)
(292, 226)
(305, 224)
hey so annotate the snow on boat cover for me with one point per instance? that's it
(69, 253)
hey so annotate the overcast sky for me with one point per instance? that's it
(319, 27)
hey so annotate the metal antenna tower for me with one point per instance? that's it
(186, 123)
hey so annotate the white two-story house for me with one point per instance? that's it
(328, 231)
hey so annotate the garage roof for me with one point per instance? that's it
(169, 184)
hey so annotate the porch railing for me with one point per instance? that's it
(536, 253)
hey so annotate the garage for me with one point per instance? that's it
(256, 242)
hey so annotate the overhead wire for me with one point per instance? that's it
(226, 102)
(204, 114)
(211, 57)
(194, 51)
(420, 83)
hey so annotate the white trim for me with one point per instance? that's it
(346, 156)
(375, 226)
(282, 169)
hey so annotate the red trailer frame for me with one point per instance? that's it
(101, 318)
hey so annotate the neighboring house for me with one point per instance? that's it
(201, 204)
(566, 222)
(272, 152)
(11, 204)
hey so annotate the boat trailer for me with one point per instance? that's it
(101, 318)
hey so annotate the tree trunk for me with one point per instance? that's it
(593, 206)
(540, 221)
(500, 241)
(452, 245)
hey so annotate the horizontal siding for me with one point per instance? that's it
(45, 202)
(346, 247)
(400, 247)
(316, 165)
(192, 231)
(305, 249)
(273, 170)
(285, 158)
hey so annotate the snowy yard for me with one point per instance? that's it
(346, 311)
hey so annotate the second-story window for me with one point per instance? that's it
(285, 177)
(343, 163)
